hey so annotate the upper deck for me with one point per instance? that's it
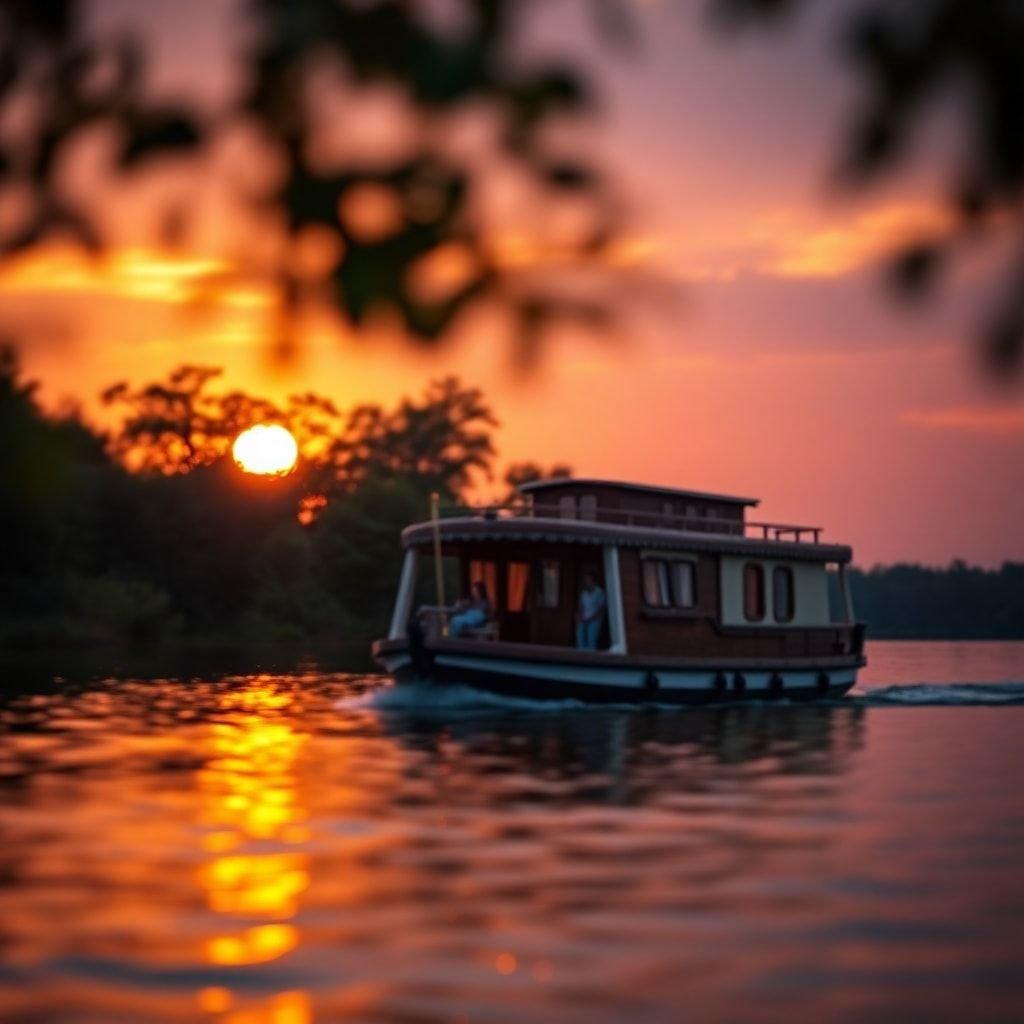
(633, 515)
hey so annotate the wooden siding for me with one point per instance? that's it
(695, 632)
(616, 503)
(699, 633)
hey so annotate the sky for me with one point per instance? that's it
(757, 353)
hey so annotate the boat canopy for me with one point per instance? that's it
(542, 529)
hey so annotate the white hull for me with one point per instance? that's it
(628, 681)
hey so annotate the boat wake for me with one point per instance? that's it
(955, 694)
(428, 698)
(452, 697)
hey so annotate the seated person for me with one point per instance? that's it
(471, 613)
(590, 615)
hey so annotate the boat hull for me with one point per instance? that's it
(601, 677)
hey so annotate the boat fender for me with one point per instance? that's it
(651, 682)
(823, 682)
(721, 684)
(739, 682)
(775, 684)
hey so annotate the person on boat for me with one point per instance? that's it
(472, 612)
(590, 615)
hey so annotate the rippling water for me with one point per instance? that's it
(314, 846)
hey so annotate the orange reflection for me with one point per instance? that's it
(253, 945)
(251, 794)
(284, 1008)
(250, 886)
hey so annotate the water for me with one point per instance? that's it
(288, 848)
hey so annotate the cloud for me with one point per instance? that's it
(838, 248)
(133, 273)
(793, 245)
(966, 419)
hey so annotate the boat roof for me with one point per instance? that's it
(549, 530)
(553, 483)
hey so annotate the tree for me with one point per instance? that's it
(441, 441)
(42, 462)
(519, 473)
(175, 425)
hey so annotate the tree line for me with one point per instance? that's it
(150, 531)
(959, 602)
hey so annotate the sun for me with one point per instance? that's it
(265, 449)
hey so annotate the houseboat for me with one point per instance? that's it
(700, 603)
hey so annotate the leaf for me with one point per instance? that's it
(569, 176)
(154, 133)
(916, 268)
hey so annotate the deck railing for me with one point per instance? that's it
(654, 520)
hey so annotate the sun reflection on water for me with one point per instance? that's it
(250, 797)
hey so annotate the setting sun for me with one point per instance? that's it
(265, 449)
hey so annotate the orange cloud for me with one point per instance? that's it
(132, 273)
(839, 248)
(799, 245)
(1000, 422)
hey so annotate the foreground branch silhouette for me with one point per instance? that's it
(968, 54)
(401, 235)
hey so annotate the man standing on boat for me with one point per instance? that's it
(590, 615)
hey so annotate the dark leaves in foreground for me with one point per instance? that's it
(296, 55)
(909, 56)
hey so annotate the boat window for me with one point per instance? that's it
(588, 506)
(517, 577)
(711, 512)
(681, 574)
(550, 584)
(567, 507)
(691, 511)
(782, 593)
(753, 592)
(486, 572)
(656, 583)
(668, 510)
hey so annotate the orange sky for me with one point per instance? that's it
(757, 352)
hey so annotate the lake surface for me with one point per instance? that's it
(315, 846)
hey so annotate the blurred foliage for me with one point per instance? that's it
(378, 228)
(406, 238)
(968, 54)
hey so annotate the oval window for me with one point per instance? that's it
(753, 592)
(782, 593)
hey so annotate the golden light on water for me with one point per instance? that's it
(266, 449)
(255, 877)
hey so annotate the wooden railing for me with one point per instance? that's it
(654, 520)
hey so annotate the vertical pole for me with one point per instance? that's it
(403, 603)
(613, 592)
(435, 518)
(844, 589)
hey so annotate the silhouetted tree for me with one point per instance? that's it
(519, 473)
(92, 552)
(440, 440)
(961, 601)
